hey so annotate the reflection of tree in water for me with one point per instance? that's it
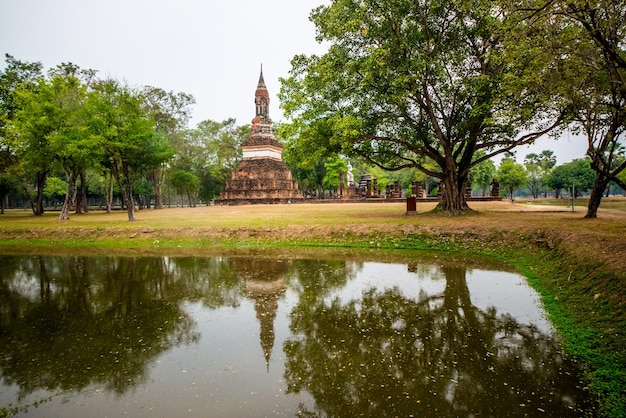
(74, 321)
(211, 280)
(84, 329)
(317, 278)
(437, 356)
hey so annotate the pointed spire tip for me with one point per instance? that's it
(261, 83)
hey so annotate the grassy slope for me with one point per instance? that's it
(578, 265)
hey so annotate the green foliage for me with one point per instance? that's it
(306, 168)
(79, 123)
(185, 183)
(210, 152)
(17, 76)
(143, 187)
(577, 173)
(333, 166)
(55, 187)
(126, 136)
(511, 176)
(538, 167)
(482, 174)
(36, 121)
(219, 143)
(170, 112)
(401, 86)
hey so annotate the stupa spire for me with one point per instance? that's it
(261, 84)
(262, 98)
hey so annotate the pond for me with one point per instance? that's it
(277, 334)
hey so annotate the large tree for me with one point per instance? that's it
(70, 144)
(170, 112)
(588, 41)
(404, 81)
(512, 176)
(577, 174)
(600, 106)
(126, 135)
(18, 76)
(52, 127)
(35, 124)
(538, 167)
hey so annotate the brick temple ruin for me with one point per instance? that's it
(261, 176)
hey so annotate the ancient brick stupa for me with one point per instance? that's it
(261, 176)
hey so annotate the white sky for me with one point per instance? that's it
(212, 49)
(208, 48)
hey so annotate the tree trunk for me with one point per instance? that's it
(108, 191)
(69, 197)
(157, 184)
(128, 195)
(599, 186)
(130, 206)
(78, 200)
(453, 196)
(127, 190)
(41, 181)
(82, 205)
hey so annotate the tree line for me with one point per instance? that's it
(539, 176)
(69, 134)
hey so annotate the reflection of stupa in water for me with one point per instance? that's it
(265, 285)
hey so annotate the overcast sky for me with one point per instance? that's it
(212, 49)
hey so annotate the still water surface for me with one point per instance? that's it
(276, 335)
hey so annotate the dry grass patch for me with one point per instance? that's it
(494, 223)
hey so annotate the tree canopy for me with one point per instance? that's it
(585, 42)
(512, 176)
(577, 174)
(407, 81)
(127, 135)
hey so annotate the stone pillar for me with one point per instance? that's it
(411, 206)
